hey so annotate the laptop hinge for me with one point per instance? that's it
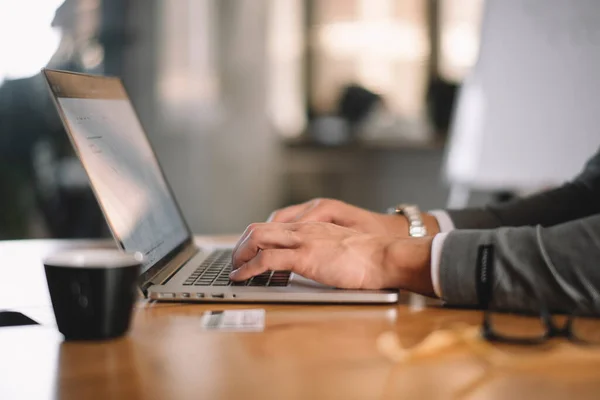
(171, 267)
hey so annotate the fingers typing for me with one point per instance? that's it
(260, 237)
(265, 260)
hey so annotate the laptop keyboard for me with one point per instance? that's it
(215, 270)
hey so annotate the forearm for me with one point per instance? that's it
(573, 200)
(431, 224)
(566, 203)
(559, 264)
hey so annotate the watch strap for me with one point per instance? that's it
(416, 227)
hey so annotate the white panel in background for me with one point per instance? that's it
(529, 115)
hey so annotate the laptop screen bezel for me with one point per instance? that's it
(66, 84)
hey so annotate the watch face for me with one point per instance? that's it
(399, 208)
(392, 210)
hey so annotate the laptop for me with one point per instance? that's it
(143, 216)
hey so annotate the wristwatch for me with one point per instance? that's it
(416, 227)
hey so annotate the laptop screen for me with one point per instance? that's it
(120, 163)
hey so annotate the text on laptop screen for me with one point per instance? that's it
(125, 175)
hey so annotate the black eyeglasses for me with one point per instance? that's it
(527, 329)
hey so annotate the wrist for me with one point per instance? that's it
(407, 265)
(431, 224)
(398, 225)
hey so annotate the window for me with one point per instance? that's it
(460, 22)
(382, 45)
(27, 41)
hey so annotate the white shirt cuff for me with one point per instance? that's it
(443, 220)
(436, 259)
(446, 225)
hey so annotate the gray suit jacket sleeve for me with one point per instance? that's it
(547, 245)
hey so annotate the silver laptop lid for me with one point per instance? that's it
(124, 172)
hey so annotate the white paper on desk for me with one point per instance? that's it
(234, 320)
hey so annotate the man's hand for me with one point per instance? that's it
(335, 256)
(346, 215)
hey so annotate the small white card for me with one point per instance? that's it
(234, 320)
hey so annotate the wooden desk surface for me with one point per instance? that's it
(305, 352)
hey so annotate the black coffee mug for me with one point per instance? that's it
(93, 292)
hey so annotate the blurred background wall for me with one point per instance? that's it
(250, 104)
(207, 115)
